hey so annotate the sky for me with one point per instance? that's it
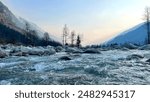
(96, 20)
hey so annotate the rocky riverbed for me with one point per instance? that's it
(20, 65)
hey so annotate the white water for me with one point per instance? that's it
(110, 67)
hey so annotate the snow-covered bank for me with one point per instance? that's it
(107, 67)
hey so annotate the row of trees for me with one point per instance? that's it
(28, 37)
(75, 40)
(31, 37)
(72, 36)
(46, 40)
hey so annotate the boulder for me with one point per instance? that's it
(4, 47)
(124, 49)
(145, 47)
(130, 46)
(73, 50)
(35, 52)
(148, 60)
(134, 56)
(50, 51)
(49, 47)
(59, 49)
(92, 51)
(39, 51)
(15, 50)
(20, 54)
(19, 51)
(66, 58)
(3, 54)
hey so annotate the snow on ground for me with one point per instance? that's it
(110, 67)
(135, 35)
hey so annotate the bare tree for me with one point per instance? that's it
(72, 38)
(65, 34)
(147, 18)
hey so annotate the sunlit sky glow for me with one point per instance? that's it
(97, 20)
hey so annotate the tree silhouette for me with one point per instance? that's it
(65, 34)
(72, 38)
(78, 41)
(46, 36)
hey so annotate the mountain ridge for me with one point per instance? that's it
(22, 26)
(134, 35)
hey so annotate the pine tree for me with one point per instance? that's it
(78, 41)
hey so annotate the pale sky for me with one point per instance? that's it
(97, 20)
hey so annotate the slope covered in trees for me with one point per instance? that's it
(8, 35)
(19, 31)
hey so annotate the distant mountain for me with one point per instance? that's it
(21, 28)
(135, 35)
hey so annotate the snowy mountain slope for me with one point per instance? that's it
(33, 26)
(18, 23)
(135, 35)
(8, 18)
(22, 24)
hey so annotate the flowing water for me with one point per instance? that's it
(113, 67)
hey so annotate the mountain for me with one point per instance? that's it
(23, 29)
(135, 35)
